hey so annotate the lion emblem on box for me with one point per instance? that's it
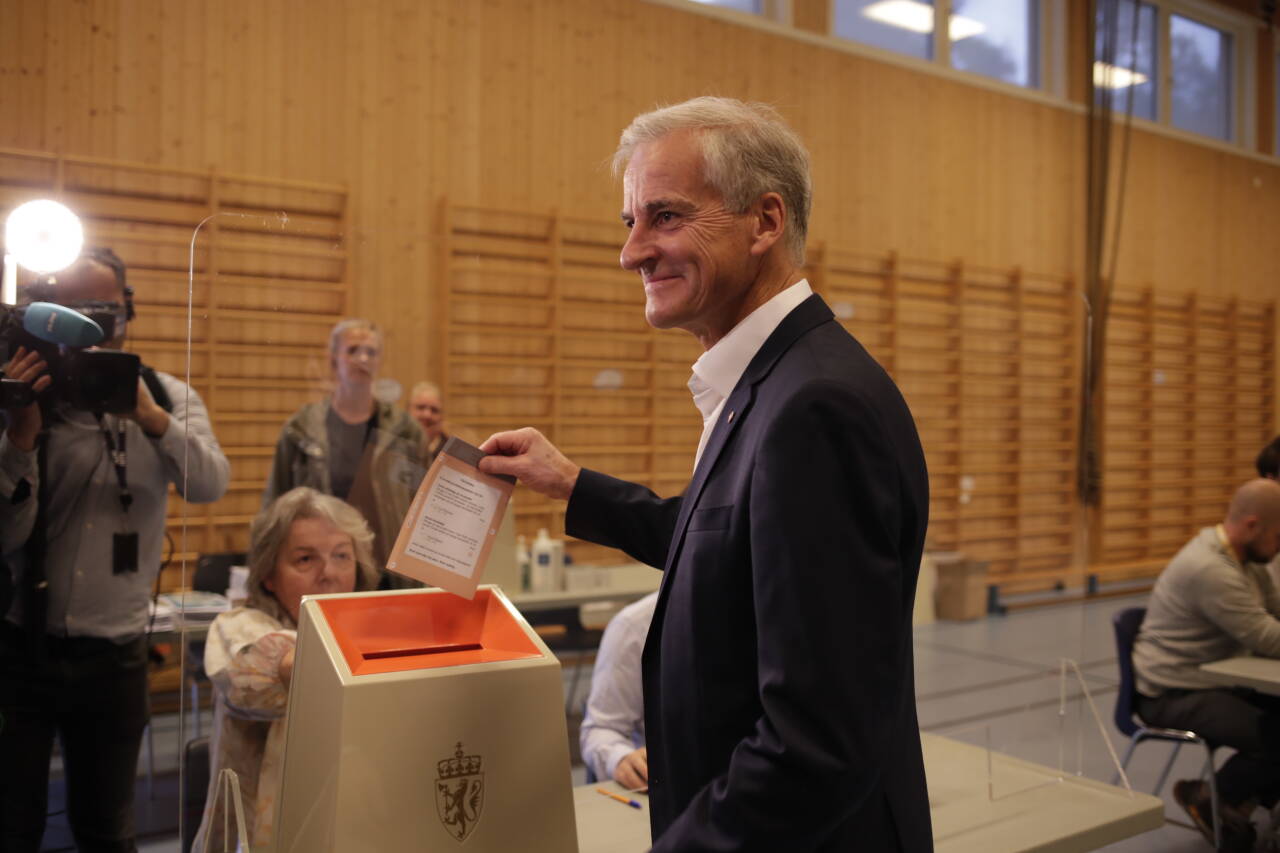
(460, 792)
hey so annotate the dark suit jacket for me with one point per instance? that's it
(778, 686)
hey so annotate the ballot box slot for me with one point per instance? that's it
(423, 650)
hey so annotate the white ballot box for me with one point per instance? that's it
(421, 721)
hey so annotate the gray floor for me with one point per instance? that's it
(997, 681)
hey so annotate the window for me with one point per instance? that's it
(1132, 72)
(1186, 64)
(903, 26)
(998, 38)
(1201, 62)
(752, 6)
(1179, 70)
(995, 38)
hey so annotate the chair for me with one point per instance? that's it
(1126, 624)
(195, 783)
(213, 574)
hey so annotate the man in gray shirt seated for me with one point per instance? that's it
(1216, 600)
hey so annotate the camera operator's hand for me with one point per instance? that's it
(24, 421)
(153, 419)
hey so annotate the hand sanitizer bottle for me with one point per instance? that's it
(543, 570)
(524, 562)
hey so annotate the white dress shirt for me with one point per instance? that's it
(613, 725)
(718, 370)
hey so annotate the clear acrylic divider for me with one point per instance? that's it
(1054, 737)
(265, 283)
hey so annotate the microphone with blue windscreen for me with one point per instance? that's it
(58, 324)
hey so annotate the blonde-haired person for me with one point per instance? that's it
(353, 446)
(303, 543)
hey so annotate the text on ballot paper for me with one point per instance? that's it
(454, 522)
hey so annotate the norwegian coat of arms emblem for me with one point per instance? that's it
(460, 793)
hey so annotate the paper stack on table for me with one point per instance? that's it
(191, 608)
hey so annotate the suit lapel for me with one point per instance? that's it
(731, 415)
(805, 316)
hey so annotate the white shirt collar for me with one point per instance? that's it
(719, 368)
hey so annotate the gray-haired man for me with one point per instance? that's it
(778, 687)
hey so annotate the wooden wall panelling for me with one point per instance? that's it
(1016, 349)
(927, 340)
(1129, 421)
(499, 330)
(1046, 341)
(609, 368)
(988, 458)
(1189, 386)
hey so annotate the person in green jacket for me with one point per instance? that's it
(354, 446)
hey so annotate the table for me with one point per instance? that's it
(1262, 674)
(626, 583)
(1033, 808)
(606, 825)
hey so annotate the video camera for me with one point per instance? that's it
(95, 380)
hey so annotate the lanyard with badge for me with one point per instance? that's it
(124, 544)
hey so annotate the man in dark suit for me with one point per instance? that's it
(778, 688)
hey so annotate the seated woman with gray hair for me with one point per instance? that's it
(303, 543)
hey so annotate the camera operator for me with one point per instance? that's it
(82, 510)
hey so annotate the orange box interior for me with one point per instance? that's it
(399, 633)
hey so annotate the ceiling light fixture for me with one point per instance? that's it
(1108, 76)
(918, 18)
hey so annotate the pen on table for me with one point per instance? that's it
(611, 795)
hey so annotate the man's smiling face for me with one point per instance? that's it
(692, 253)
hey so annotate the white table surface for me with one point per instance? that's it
(1032, 809)
(606, 825)
(1022, 806)
(1262, 674)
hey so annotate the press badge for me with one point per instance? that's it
(124, 553)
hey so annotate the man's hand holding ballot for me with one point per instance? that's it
(527, 455)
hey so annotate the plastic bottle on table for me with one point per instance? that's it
(557, 564)
(524, 562)
(542, 569)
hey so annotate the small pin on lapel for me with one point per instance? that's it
(730, 419)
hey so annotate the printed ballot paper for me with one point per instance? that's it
(446, 538)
